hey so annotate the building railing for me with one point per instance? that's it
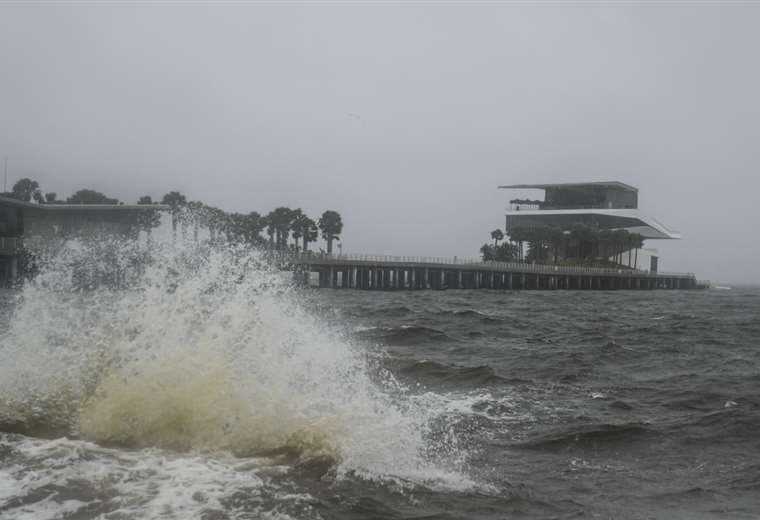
(516, 208)
(468, 263)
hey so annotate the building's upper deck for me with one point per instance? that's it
(586, 195)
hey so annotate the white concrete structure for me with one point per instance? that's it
(605, 205)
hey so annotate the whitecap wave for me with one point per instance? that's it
(206, 349)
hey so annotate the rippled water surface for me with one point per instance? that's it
(216, 390)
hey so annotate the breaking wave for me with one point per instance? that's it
(206, 349)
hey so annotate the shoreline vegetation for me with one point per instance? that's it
(580, 245)
(281, 229)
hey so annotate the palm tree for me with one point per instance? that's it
(519, 235)
(331, 225)
(194, 209)
(278, 221)
(176, 201)
(215, 221)
(271, 226)
(297, 233)
(620, 239)
(294, 218)
(310, 233)
(497, 234)
(305, 228)
(638, 243)
(254, 224)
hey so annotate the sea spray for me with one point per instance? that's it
(204, 348)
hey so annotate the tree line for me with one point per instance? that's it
(278, 226)
(581, 244)
(28, 190)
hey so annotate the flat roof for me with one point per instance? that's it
(605, 184)
(73, 207)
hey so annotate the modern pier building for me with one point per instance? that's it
(606, 205)
(601, 205)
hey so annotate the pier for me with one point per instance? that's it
(385, 273)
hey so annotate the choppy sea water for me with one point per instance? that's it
(212, 389)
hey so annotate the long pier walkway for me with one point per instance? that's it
(417, 273)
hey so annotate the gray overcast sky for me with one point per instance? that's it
(403, 117)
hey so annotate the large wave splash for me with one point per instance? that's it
(156, 344)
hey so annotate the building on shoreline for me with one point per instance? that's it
(26, 227)
(601, 205)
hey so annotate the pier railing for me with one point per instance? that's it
(464, 263)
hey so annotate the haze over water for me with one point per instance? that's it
(403, 117)
(205, 386)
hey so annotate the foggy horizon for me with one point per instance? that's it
(403, 118)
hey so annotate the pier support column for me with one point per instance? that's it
(459, 280)
(509, 281)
